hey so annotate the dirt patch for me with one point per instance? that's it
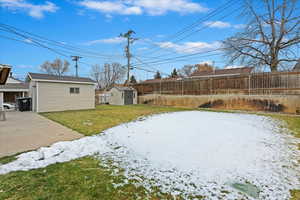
(149, 101)
(212, 104)
(247, 104)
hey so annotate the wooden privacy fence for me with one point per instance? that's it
(285, 83)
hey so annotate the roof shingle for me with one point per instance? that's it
(49, 77)
(124, 88)
(14, 86)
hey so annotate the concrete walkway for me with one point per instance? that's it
(24, 131)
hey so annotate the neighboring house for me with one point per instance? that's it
(13, 89)
(58, 93)
(223, 72)
(122, 96)
(4, 72)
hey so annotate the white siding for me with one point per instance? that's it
(1, 101)
(51, 96)
(116, 97)
(135, 97)
(32, 94)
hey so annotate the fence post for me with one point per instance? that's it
(210, 91)
(249, 85)
(182, 87)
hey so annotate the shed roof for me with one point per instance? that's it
(124, 88)
(55, 78)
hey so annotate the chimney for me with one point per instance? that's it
(10, 75)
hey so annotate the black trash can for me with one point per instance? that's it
(24, 104)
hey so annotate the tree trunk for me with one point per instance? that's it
(274, 67)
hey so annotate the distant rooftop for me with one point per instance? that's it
(49, 77)
(14, 86)
(219, 72)
(123, 88)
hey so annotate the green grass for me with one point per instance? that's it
(293, 124)
(80, 179)
(7, 159)
(89, 122)
(86, 178)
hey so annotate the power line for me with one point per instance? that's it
(72, 48)
(192, 48)
(178, 57)
(200, 21)
(148, 65)
(36, 45)
(181, 59)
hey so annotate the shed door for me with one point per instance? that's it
(128, 97)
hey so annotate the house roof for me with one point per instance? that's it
(219, 72)
(123, 88)
(55, 78)
(14, 87)
(162, 79)
(4, 73)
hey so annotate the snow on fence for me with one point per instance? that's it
(284, 83)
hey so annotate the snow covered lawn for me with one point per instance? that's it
(191, 154)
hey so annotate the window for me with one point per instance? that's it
(74, 91)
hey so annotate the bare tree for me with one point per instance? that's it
(96, 74)
(108, 75)
(186, 70)
(57, 67)
(270, 37)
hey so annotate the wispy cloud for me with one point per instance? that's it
(33, 10)
(221, 24)
(190, 47)
(109, 7)
(114, 40)
(138, 7)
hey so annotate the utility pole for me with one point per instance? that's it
(76, 59)
(130, 40)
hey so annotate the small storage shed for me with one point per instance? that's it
(122, 96)
(58, 93)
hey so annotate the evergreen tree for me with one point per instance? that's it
(157, 75)
(174, 73)
(133, 80)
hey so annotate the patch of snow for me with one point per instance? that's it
(57, 153)
(189, 153)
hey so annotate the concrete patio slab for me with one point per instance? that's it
(24, 131)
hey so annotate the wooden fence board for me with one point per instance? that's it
(286, 83)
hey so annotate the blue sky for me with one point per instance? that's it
(95, 25)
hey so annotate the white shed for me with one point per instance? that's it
(58, 93)
(122, 96)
